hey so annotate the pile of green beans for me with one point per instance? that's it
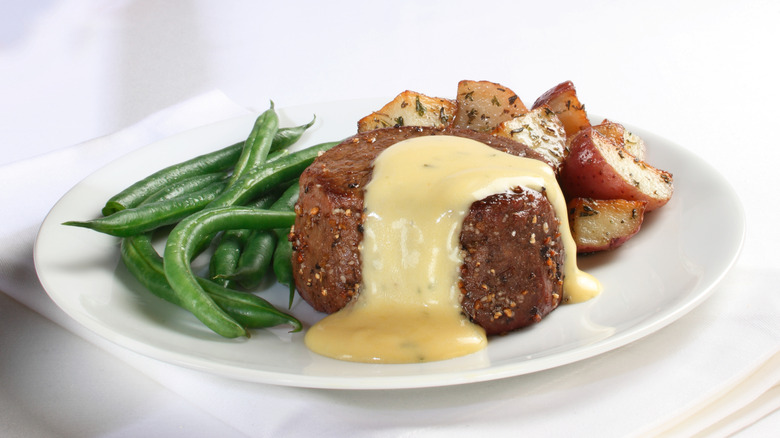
(238, 199)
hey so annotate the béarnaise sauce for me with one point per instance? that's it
(408, 309)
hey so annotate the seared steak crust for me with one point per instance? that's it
(512, 272)
(328, 225)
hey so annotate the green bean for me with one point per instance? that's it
(288, 198)
(282, 266)
(224, 261)
(181, 245)
(250, 314)
(279, 153)
(148, 217)
(272, 193)
(264, 177)
(255, 259)
(259, 247)
(219, 160)
(133, 195)
(257, 145)
(282, 257)
(184, 187)
(286, 137)
(163, 207)
(251, 311)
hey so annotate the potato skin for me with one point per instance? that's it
(623, 138)
(597, 168)
(410, 108)
(563, 100)
(483, 105)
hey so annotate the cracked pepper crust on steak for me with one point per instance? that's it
(513, 256)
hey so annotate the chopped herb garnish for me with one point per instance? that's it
(418, 106)
(472, 114)
(444, 118)
(588, 211)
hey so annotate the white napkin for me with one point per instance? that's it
(35, 184)
(714, 371)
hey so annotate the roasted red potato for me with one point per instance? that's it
(629, 141)
(598, 168)
(541, 130)
(563, 100)
(483, 105)
(410, 109)
(600, 225)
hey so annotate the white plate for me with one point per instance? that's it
(670, 267)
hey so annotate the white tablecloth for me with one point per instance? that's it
(84, 82)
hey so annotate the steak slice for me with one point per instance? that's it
(512, 271)
(329, 220)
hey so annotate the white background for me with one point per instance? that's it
(702, 74)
